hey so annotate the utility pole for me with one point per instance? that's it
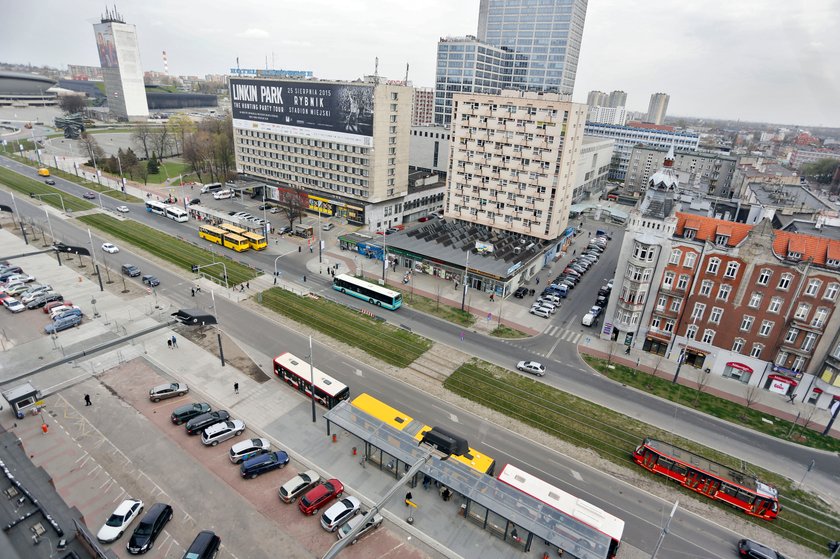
(466, 284)
(664, 531)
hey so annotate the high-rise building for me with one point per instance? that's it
(341, 147)
(422, 106)
(548, 33)
(607, 115)
(657, 108)
(513, 161)
(597, 99)
(119, 56)
(617, 99)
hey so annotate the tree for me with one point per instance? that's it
(72, 103)
(140, 171)
(161, 140)
(751, 395)
(142, 138)
(180, 127)
(821, 171)
(90, 145)
(293, 203)
(112, 165)
(702, 379)
(152, 165)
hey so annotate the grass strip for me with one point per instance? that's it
(434, 308)
(507, 332)
(181, 253)
(804, 518)
(36, 188)
(388, 343)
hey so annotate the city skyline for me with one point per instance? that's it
(763, 61)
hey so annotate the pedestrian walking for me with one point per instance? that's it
(275, 280)
(236, 388)
(492, 297)
(247, 285)
(169, 343)
(408, 498)
(462, 335)
(193, 291)
(87, 400)
(304, 279)
(174, 341)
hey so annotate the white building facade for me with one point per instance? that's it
(119, 56)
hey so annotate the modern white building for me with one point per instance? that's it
(708, 173)
(513, 161)
(119, 56)
(657, 108)
(593, 168)
(607, 115)
(423, 106)
(429, 148)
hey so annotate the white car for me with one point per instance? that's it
(13, 305)
(110, 248)
(119, 520)
(223, 431)
(371, 524)
(19, 278)
(122, 209)
(531, 367)
(540, 311)
(340, 513)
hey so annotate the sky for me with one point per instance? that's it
(753, 60)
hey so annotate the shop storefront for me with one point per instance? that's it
(655, 344)
(780, 384)
(738, 371)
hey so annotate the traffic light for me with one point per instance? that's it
(194, 268)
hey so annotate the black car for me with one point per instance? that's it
(265, 207)
(263, 463)
(189, 411)
(754, 550)
(150, 527)
(198, 424)
(42, 300)
(151, 281)
(521, 292)
(194, 201)
(50, 182)
(204, 546)
(130, 270)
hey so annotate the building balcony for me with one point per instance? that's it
(796, 350)
(629, 305)
(813, 326)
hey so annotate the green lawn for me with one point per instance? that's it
(434, 308)
(173, 169)
(805, 518)
(167, 247)
(507, 332)
(379, 339)
(29, 186)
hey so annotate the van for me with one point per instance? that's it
(44, 172)
(204, 546)
(587, 319)
(211, 187)
(223, 194)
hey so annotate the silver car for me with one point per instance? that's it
(171, 390)
(222, 431)
(371, 524)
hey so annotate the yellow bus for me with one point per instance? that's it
(402, 422)
(256, 240)
(221, 237)
(227, 227)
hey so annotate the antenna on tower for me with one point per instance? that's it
(406, 73)
(376, 71)
(165, 64)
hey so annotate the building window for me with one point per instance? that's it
(756, 350)
(669, 326)
(691, 331)
(714, 264)
(764, 276)
(831, 291)
(676, 303)
(697, 312)
(746, 323)
(782, 358)
(668, 280)
(682, 283)
(643, 252)
(755, 301)
(661, 302)
(723, 292)
(802, 311)
(784, 281)
(766, 328)
(791, 335)
(676, 254)
(775, 305)
(809, 341)
(798, 363)
(716, 315)
(654, 323)
(708, 336)
(820, 318)
(706, 288)
(690, 259)
(738, 345)
(813, 287)
(731, 270)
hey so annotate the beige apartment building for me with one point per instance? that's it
(513, 160)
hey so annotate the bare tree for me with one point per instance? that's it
(91, 147)
(293, 204)
(72, 103)
(702, 378)
(751, 395)
(161, 141)
(141, 135)
(180, 127)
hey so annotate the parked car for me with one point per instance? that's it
(595, 311)
(339, 513)
(204, 546)
(122, 209)
(151, 281)
(50, 306)
(262, 207)
(423, 219)
(588, 319)
(130, 270)
(244, 450)
(43, 299)
(17, 289)
(63, 323)
(199, 423)
(320, 495)
(540, 311)
(19, 278)
(110, 248)
(33, 291)
(188, 411)
(169, 390)
(222, 431)
(521, 292)
(371, 523)
(298, 485)
(13, 305)
(327, 227)
(66, 313)
(126, 512)
(263, 463)
(194, 201)
(62, 307)
(89, 195)
(531, 367)
(275, 210)
(149, 528)
(754, 550)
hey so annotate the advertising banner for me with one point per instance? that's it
(309, 109)
(105, 45)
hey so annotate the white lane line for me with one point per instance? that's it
(556, 343)
(576, 475)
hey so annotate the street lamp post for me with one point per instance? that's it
(49, 223)
(319, 233)
(466, 284)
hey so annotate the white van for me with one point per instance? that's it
(223, 194)
(587, 319)
(211, 187)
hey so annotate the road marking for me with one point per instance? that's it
(453, 418)
(576, 475)
(550, 351)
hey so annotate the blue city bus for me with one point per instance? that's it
(373, 294)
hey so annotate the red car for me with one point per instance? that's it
(319, 496)
(423, 219)
(50, 306)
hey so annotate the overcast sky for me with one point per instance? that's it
(756, 60)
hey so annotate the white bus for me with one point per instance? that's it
(156, 207)
(177, 214)
(211, 187)
(366, 291)
(295, 371)
(603, 524)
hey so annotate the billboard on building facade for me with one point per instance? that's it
(105, 45)
(324, 111)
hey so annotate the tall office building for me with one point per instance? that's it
(422, 106)
(617, 99)
(514, 160)
(597, 99)
(119, 56)
(657, 108)
(548, 33)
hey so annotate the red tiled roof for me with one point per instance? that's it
(833, 251)
(708, 227)
(796, 245)
(817, 248)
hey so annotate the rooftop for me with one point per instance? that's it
(786, 195)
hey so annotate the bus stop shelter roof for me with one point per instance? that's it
(553, 526)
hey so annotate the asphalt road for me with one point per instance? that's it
(641, 511)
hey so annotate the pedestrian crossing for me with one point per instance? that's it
(563, 334)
